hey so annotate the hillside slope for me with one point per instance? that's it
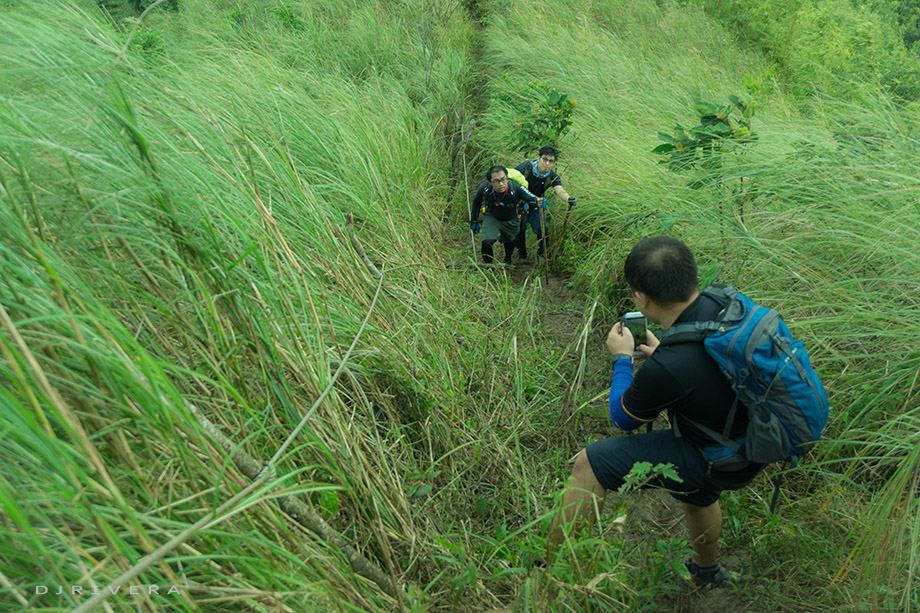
(175, 256)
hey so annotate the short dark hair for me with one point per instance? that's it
(662, 268)
(495, 169)
(548, 150)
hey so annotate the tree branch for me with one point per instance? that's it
(304, 515)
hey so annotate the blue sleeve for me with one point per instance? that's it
(622, 379)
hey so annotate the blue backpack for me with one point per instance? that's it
(771, 375)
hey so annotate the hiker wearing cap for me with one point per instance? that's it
(498, 205)
(681, 378)
(540, 177)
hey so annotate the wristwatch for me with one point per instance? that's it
(620, 356)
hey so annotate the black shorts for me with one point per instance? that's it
(611, 460)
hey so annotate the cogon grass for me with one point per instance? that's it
(818, 218)
(194, 234)
(244, 311)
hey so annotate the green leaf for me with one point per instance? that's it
(665, 148)
(420, 491)
(706, 108)
(665, 137)
(329, 500)
(708, 120)
(671, 474)
(680, 569)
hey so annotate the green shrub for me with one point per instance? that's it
(289, 17)
(905, 14)
(136, 6)
(148, 42)
(716, 133)
(545, 121)
(825, 45)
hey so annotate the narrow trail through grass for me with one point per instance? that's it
(640, 519)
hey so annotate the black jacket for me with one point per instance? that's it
(509, 206)
(538, 185)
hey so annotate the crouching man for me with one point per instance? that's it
(680, 378)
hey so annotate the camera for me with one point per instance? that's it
(637, 324)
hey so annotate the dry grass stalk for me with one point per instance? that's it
(303, 513)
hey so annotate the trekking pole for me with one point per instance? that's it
(557, 244)
(469, 203)
(545, 243)
(473, 244)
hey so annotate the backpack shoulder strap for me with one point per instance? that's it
(687, 332)
(719, 292)
(692, 331)
(722, 438)
(528, 169)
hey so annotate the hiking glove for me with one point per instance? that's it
(474, 226)
(541, 202)
(573, 201)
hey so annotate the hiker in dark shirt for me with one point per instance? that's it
(498, 205)
(681, 379)
(540, 178)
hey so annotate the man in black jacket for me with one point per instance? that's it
(540, 178)
(497, 208)
(680, 378)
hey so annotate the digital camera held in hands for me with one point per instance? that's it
(638, 325)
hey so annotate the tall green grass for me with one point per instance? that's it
(174, 225)
(173, 235)
(825, 45)
(174, 222)
(818, 218)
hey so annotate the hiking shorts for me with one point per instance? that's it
(611, 460)
(492, 229)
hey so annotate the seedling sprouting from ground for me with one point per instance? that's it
(545, 120)
(723, 129)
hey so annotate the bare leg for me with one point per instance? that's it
(705, 525)
(581, 493)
